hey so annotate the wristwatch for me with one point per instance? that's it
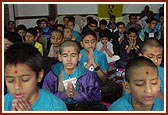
(97, 68)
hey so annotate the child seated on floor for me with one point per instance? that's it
(142, 86)
(23, 69)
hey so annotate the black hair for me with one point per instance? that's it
(38, 28)
(23, 53)
(32, 31)
(88, 32)
(13, 37)
(120, 23)
(93, 21)
(112, 17)
(38, 21)
(132, 30)
(11, 21)
(132, 15)
(136, 63)
(103, 22)
(89, 18)
(21, 27)
(149, 20)
(50, 18)
(69, 43)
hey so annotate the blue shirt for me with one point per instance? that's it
(45, 102)
(125, 104)
(100, 59)
(161, 77)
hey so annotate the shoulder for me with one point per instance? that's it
(122, 104)
(51, 100)
(158, 105)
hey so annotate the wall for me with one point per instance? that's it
(41, 9)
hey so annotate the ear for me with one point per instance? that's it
(59, 57)
(126, 87)
(80, 55)
(81, 43)
(40, 76)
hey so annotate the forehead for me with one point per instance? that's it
(56, 33)
(144, 72)
(19, 67)
(69, 49)
(89, 37)
(152, 50)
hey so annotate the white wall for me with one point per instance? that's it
(75, 8)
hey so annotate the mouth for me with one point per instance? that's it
(18, 96)
(148, 98)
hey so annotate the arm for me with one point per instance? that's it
(88, 89)
(50, 84)
(102, 74)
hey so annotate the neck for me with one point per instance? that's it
(70, 71)
(34, 97)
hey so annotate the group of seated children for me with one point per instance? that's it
(71, 66)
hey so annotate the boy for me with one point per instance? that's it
(70, 81)
(118, 37)
(107, 48)
(152, 49)
(142, 89)
(131, 45)
(151, 31)
(31, 37)
(93, 60)
(133, 23)
(23, 69)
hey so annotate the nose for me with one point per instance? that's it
(69, 58)
(155, 60)
(17, 85)
(148, 88)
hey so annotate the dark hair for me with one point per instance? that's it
(11, 21)
(24, 53)
(112, 17)
(21, 27)
(152, 42)
(161, 15)
(103, 22)
(60, 25)
(132, 15)
(136, 63)
(120, 23)
(89, 18)
(65, 17)
(149, 20)
(38, 21)
(50, 18)
(69, 43)
(38, 28)
(32, 31)
(93, 21)
(88, 32)
(13, 37)
(132, 30)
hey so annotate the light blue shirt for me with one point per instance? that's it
(99, 57)
(45, 102)
(125, 104)
(161, 77)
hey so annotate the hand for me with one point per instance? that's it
(70, 92)
(21, 105)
